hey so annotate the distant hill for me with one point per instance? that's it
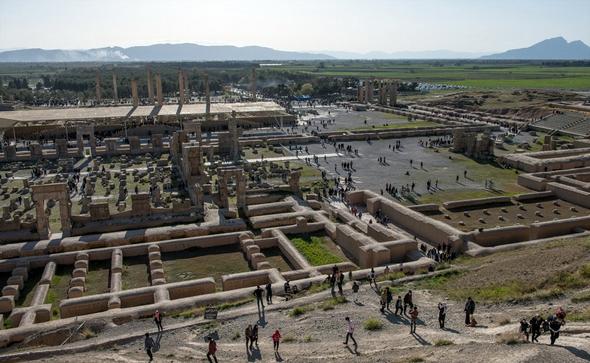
(427, 54)
(157, 52)
(554, 48)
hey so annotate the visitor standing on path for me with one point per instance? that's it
(408, 301)
(554, 328)
(413, 317)
(158, 320)
(276, 340)
(442, 314)
(254, 336)
(355, 291)
(248, 334)
(350, 332)
(148, 344)
(389, 297)
(258, 293)
(340, 283)
(536, 323)
(398, 306)
(469, 310)
(372, 280)
(269, 293)
(212, 350)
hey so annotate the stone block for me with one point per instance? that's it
(21, 271)
(75, 292)
(114, 303)
(11, 290)
(157, 274)
(78, 282)
(156, 264)
(82, 256)
(155, 256)
(79, 272)
(6, 304)
(153, 248)
(16, 280)
(81, 264)
(156, 282)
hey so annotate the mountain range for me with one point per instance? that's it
(555, 48)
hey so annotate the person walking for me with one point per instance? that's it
(398, 305)
(536, 322)
(148, 345)
(469, 310)
(389, 296)
(254, 336)
(355, 291)
(524, 328)
(158, 320)
(408, 301)
(350, 332)
(340, 283)
(276, 339)
(383, 301)
(442, 314)
(258, 293)
(212, 350)
(372, 278)
(269, 293)
(248, 334)
(413, 318)
(554, 328)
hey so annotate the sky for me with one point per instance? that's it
(297, 25)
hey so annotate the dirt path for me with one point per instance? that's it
(318, 336)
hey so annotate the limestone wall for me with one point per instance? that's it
(479, 202)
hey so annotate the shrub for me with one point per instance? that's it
(299, 310)
(307, 339)
(504, 321)
(373, 324)
(331, 303)
(443, 342)
(509, 338)
(289, 339)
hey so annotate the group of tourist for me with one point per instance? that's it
(441, 253)
(536, 326)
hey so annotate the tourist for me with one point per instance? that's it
(383, 301)
(386, 270)
(372, 278)
(340, 283)
(536, 322)
(149, 344)
(413, 318)
(248, 334)
(554, 328)
(350, 332)
(258, 293)
(276, 339)
(332, 279)
(158, 320)
(212, 350)
(269, 293)
(469, 310)
(524, 328)
(398, 305)
(355, 291)
(442, 314)
(254, 336)
(389, 296)
(408, 301)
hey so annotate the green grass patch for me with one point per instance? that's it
(579, 315)
(331, 303)
(443, 342)
(373, 324)
(315, 250)
(300, 310)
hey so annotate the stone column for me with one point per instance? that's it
(241, 190)
(369, 97)
(253, 84)
(150, 85)
(180, 88)
(36, 150)
(187, 96)
(207, 98)
(115, 92)
(10, 152)
(159, 95)
(234, 137)
(134, 94)
(65, 212)
(359, 92)
(42, 223)
(61, 147)
(393, 93)
(98, 90)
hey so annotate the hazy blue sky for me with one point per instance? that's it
(346, 25)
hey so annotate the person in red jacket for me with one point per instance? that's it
(212, 350)
(276, 339)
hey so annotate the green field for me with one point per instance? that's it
(470, 74)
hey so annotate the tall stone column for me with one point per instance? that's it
(207, 98)
(187, 94)
(150, 85)
(42, 223)
(65, 213)
(234, 137)
(134, 93)
(253, 84)
(180, 88)
(393, 93)
(115, 92)
(370, 91)
(159, 95)
(98, 90)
